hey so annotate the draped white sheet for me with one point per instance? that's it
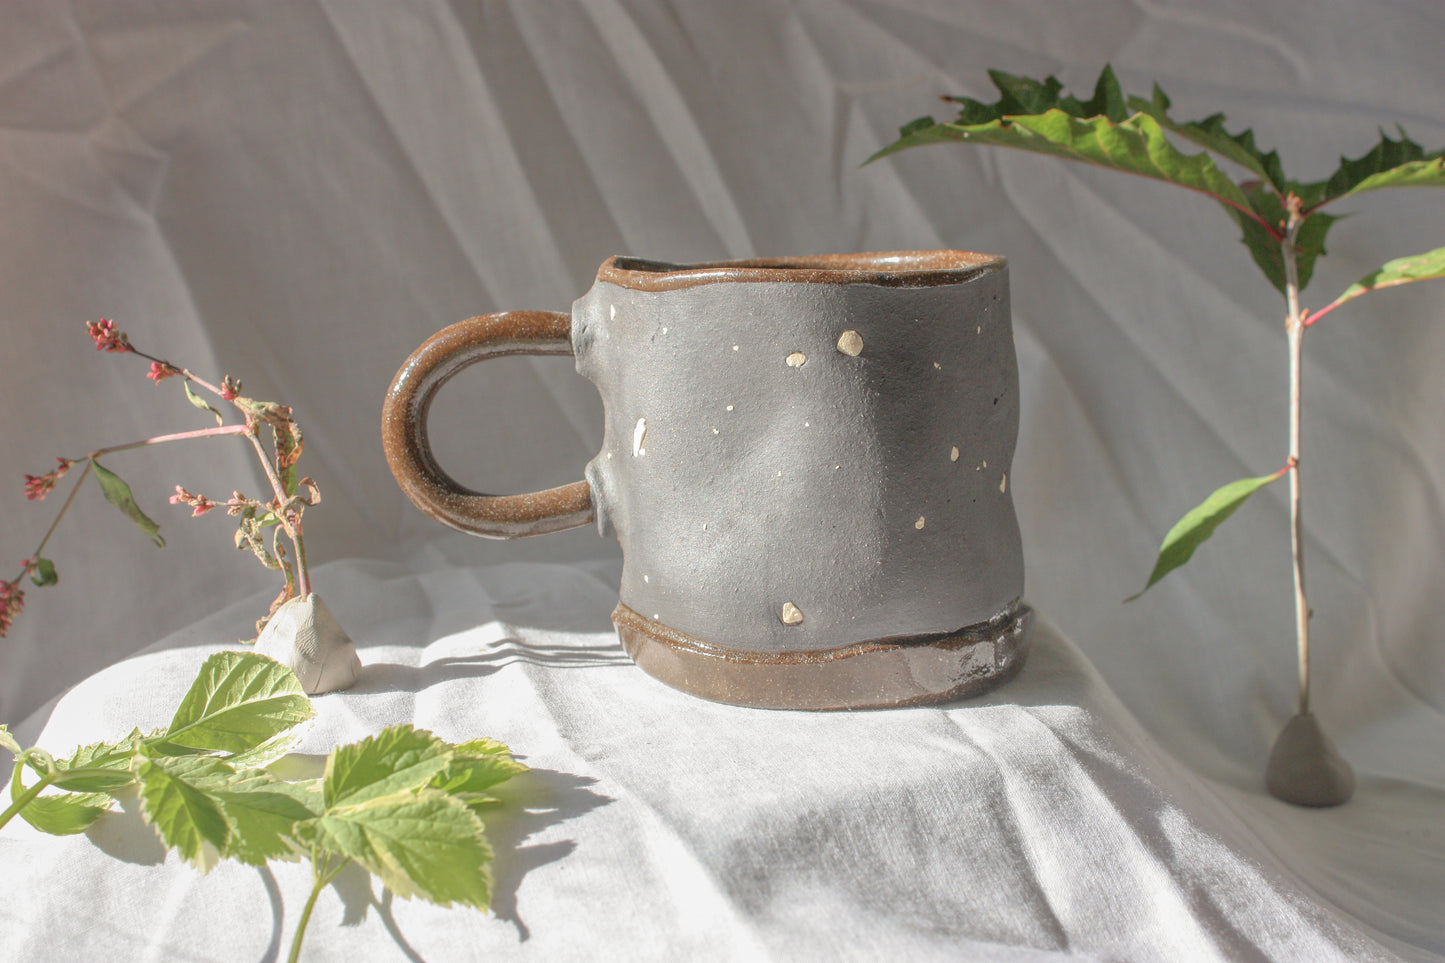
(298, 194)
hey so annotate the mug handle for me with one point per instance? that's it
(404, 428)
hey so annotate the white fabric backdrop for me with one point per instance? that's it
(299, 193)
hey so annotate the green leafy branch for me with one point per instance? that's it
(277, 516)
(404, 804)
(1282, 223)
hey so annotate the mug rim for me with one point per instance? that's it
(885, 268)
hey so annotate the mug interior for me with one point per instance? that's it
(886, 268)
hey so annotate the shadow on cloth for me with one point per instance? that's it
(397, 677)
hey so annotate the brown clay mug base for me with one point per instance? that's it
(882, 674)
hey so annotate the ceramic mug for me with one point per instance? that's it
(805, 461)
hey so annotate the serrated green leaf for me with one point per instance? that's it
(426, 844)
(44, 572)
(398, 759)
(1390, 163)
(100, 766)
(1403, 270)
(476, 766)
(1199, 523)
(7, 741)
(239, 701)
(200, 402)
(118, 493)
(268, 751)
(179, 799)
(262, 812)
(59, 815)
(1210, 133)
(1034, 116)
(1264, 247)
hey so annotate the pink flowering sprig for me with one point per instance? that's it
(280, 515)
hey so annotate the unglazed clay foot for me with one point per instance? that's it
(1305, 768)
(304, 636)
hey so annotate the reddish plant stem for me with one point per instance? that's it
(56, 522)
(289, 520)
(162, 439)
(184, 372)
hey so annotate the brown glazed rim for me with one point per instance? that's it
(897, 269)
(877, 674)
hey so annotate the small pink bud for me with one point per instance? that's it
(12, 600)
(200, 504)
(230, 388)
(38, 486)
(107, 336)
(160, 371)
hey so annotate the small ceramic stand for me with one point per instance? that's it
(1305, 768)
(304, 636)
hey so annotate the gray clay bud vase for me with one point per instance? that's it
(1305, 768)
(806, 462)
(305, 637)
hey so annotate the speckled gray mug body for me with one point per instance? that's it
(806, 464)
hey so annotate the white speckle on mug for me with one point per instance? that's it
(664, 330)
(850, 342)
(1003, 483)
(953, 453)
(938, 366)
(980, 329)
(611, 312)
(639, 433)
(646, 579)
(919, 523)
(714, 431)
(735, 347)
(791, 614)
(797, 359)
(730, 407)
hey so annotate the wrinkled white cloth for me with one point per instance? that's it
(298, 194)
(1038, 820)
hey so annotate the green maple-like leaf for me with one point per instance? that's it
(1035, 116)
(398, 759)
(1402, 270)
(240, 700)
(1264, 247)
(423, 843)
(1210, 133)
(179, 799)
(1390, 163)
(118, 493)
(1199, 523)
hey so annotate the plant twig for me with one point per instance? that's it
(323, 875)
(1294, 329)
